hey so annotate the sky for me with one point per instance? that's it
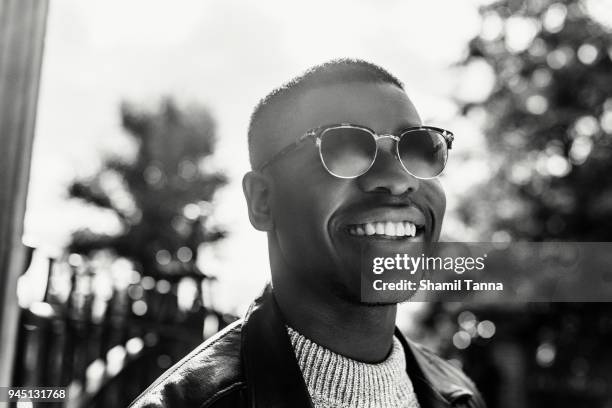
(225, 55)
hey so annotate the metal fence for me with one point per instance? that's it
(105, 330)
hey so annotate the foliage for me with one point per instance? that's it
(548, 129)
(162, 197)
(548, 123)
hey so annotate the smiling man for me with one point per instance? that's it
(341, 165)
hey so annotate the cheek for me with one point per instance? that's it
(434, 193)
(302, 210)
(435, 199)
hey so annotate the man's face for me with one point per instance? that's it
(317, 217)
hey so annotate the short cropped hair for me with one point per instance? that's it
(334, 72)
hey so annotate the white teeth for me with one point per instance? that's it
(399, 229)
(387, 228)
(409, 228)
(370, 229)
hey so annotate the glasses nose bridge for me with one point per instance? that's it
(392, 146)
(387, 136)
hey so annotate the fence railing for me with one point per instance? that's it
(105, 330)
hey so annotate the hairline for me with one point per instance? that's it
(283, 97)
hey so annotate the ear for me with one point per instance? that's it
(256, 189)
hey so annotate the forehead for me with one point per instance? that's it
(383, 107)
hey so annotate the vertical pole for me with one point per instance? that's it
(22, 31)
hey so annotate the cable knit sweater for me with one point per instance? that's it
(335, 381)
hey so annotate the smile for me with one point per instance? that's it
(385, 229)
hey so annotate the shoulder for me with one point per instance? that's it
(441, 368)
(209, 374)
(445, 377)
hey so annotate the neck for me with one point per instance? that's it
(358, 331)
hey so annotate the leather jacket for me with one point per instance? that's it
(251, 363)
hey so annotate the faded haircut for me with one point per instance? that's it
(335, 72)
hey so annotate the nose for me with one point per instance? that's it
(387, 173)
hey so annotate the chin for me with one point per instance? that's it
(362, 294)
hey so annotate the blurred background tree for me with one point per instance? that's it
(548, 123)
(162, 197)
(119, 309)
(548, 129)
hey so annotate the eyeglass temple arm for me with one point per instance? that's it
(287, 149)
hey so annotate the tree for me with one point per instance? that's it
(155, 309)
(548, 123)
(162, 197)
(548, 127)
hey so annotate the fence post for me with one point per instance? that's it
(22, 31)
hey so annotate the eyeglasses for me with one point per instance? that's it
(349, 151)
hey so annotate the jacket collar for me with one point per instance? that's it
(275, 379)
(271, 370)
(433, 385)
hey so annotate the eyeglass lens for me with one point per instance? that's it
(349, 152)
(423, 152)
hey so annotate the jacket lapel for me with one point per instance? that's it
(433, 386)
(271, 370)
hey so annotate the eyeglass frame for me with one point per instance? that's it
(317, 133)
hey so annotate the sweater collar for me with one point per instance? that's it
(275, 379)
(337, 380)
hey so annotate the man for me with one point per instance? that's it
(340, 162)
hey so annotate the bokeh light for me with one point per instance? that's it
(462, 340)
(546, 354)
